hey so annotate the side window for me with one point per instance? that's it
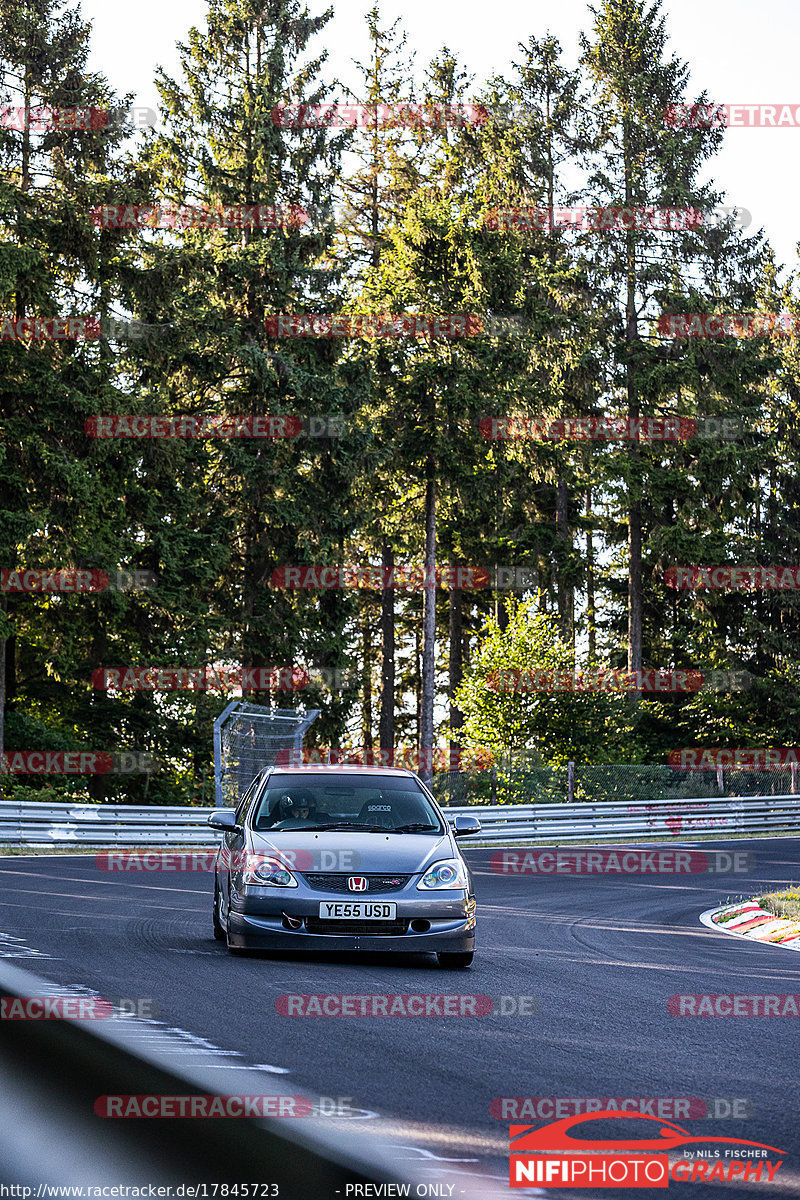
(244, 803)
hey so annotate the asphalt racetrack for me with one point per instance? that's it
(600, 956)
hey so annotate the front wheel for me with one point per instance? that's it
(454, 961)
(237, 951)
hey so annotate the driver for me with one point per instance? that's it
(295, 806)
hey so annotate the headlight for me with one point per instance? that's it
(268, 872)
(449, 873)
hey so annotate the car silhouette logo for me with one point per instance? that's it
(358, 883)
(554, 1137)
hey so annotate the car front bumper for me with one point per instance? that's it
(257, 921)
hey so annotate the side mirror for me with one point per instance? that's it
(223, 818)
(464, 826)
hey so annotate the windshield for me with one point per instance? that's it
(377, 802)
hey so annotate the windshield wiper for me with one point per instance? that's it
(416, 827)
(354, 825)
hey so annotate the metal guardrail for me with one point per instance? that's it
(32, 823)
(609, 820)
(53, 1071)
(60, 825)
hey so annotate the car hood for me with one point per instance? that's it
(406, 853)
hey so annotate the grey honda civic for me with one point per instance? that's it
(343, 858)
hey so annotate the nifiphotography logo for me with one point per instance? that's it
(550, 1155)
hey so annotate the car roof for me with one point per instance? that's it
(340, 769)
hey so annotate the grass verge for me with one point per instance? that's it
(782, 904)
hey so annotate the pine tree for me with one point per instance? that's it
(640, 162)
(57, 154)
(374, 193)
(225, 147)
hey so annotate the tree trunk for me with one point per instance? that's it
(97, 785)
(366, 710)
(456, 666)
(591, 616)
(566, 598)
(418, 679)
(635, 586)
(386, 725)
(429, 631)
(634, 486)
(3, 607)
(500, 611)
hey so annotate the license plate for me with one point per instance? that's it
(358, 910)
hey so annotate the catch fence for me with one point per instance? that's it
(249, 737)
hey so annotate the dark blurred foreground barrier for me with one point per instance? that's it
(51, 1073)
(117, 825)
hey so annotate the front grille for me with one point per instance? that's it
(367, 928)
(338, 883)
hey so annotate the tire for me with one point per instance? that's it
(219, 928)
(224, 929)
(237, 951)
(454, 961)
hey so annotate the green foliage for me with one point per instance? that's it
(560, 726)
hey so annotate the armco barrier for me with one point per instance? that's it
(62, 825)
(51, 1073)
(32, 823)
(617, 820)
